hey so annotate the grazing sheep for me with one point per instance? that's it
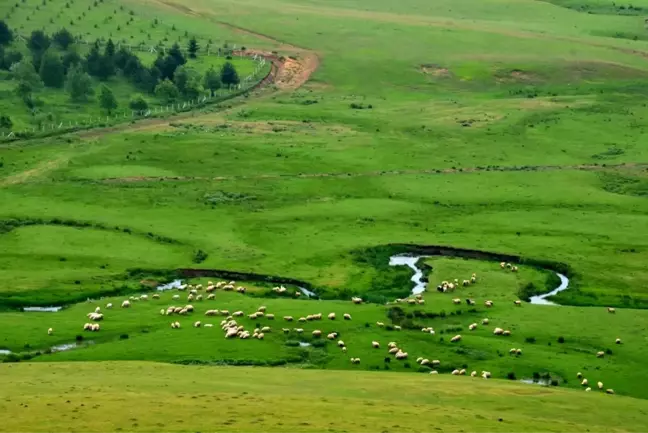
(381, 324)
(301, 319)
(197, 324)
(260, 336)
(394, 350)
(50, 331)
(609, 391)
(175, 297)
(514, 269)
(163, 311)
(470, 302)
(190, 298)
(579, 375)
(611, 310)
(401, 355)
(300, 330)
(618, 341)
(347, 316)
(588, 389)
(155, 296)
(237, 313)
(98, 310)
(512, 352)
(126, 304)
(340, 343)
(288, 318)
(420, 301)
(472, 326)
(262, 308)
(498, 331)
(231, 332)
(356, 300)
(266, 329)
(397, 328)
(600, 385)
(95, 327)
(518, 352)
(436, 362)
(260, 314)
(600, 354)
(518, 303)
(486, 374)
(506, 333)
(411, 301)
(509, 266)
(208, 325)
(473, 279)
(199, 298)
(456, 301)
(252, 316)
(485, 322)
(419, 359)
(332, 336)
(189, 308)
(331, 316)
(473, 374)
(465, 283)
(109, 305)
(285, 330)
(502, 265)
(434, 372)
(225, 312)
(211, 296)
(488, 304)
(455, 372)
(455, 338)
(317, 333)
(584, 382)
(240, 289)
(269, 316)
(355, 360)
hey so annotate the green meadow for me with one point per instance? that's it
(510, 127)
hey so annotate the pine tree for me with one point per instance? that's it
(229, 76)
(177, 55)
(107, 99)
(93, 60)
(167, 91)
(193, 48)
(110, 49)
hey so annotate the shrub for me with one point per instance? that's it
(318, 343)
(511, 375)
(199, 256)
(123, 337)
(536, 376)
(531, 340)
(387, 359)
(292, 343)
(554, 382)
(407, 365)
(608, 351)
(79, 338)
(561, 339)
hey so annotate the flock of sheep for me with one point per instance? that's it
(233, 329)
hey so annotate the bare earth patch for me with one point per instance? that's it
(435, 71)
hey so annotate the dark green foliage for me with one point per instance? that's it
(138, 103)
(9, 59)
(212, 80)
(511, 375)
(5, 122)
(78, 84)
(177, 55)
(109, 51)
(63, 38)
(6, 35)
(193, 48)
(107, 100)
(167, 91)
(93, 60)
(52, 71)
(70, 59)
(561, 339)
(229, 76)
(38, 43)
(199, 256)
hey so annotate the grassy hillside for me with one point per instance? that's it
(148, 396)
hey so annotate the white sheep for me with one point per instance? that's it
(473, 374)
(488, 304)
(265, 329)
(397, 328)
(485, 322)
(347, 316)
(455, 338)
(126, 304)
(285, 330)
(301, 330)
(472, 326)
(455, 372)
(175, 297)
(600, 354)
(498, 331)
(456, 301)
(506, 333)
(340, 343)
(518, 303)
(356, 300)
(618, 341)
(260, 336)
(331, 316)
(109, 305)
(211, 296)
(434, 372)
(609, 391)
(332, 336)
(197, 324)
(375, 345)
(394, 350)
(270, 316)
(401, 355)
(50, 331)
(611, 310)
(98, 310)
(588, 389)
(208, 325)
(486, 374)
(317, 333)
(579, 375)
(381, 324)
(425, 361)
(288, 318)
(600, 385)
(584, 382)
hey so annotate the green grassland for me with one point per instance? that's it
(145, 396)
(513, 127)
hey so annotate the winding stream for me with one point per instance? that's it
(420, 285)
(42, 309)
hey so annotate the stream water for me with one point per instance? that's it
(420, 285)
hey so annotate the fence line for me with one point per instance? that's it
(222, 94)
